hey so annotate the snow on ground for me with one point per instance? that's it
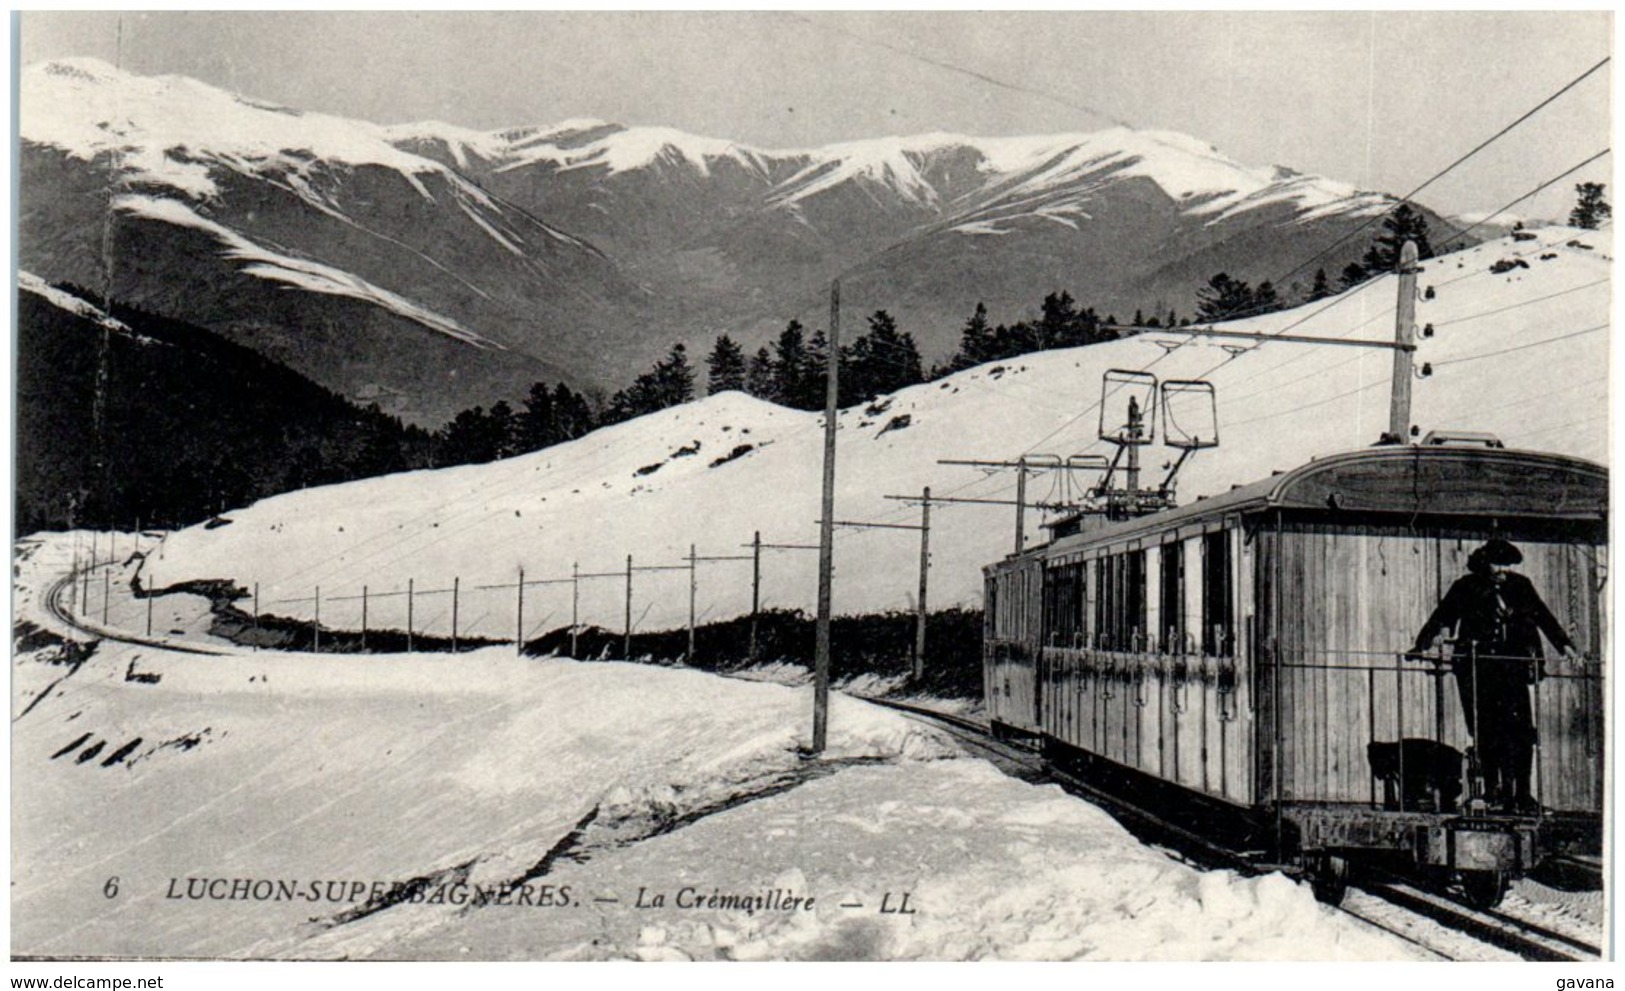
(478, 805)
(991, 868)
(1522, 353)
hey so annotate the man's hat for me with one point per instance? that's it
(1498, 551)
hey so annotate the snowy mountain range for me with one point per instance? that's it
(431, 267)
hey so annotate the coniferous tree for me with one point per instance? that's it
(816, 387)
(1592, 209)
(794, 382)
(572, 414)
(725, 365)
(1223, 298)
(1321, 289)
(668, 383)
(1353, 274)
(538, 423)
(472, 437)
(975, 341)
(505, 430)
(1265, 299)
(759, 376)
(1401, 225)
(1058, 322)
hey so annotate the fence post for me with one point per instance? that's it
(755, 588)
(626, 644)
(363, 618)
(107, 589)
(693, 588)
(454, 583)
(519, 622)
(256, 616)
(575, 606)
(409, 604)
(149, 612)
(316, 624)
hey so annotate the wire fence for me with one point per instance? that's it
(402, 611)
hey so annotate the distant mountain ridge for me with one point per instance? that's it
(447, 267)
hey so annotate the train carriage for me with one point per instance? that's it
(1248, 652)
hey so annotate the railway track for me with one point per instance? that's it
(1395, 905)
(56, 606)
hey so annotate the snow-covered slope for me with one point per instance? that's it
(480, 806)
(1520, 352)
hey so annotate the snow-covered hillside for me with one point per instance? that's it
(1520, 351)
(480, 806)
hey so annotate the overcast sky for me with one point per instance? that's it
(1382, 100)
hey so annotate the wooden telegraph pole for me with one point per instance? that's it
(755, 589)
(694, 559)
(925, 572)
(626, 644)
(1027, 463)
(917, 657)
(826, 528)
(1399, 401)
(757, 547)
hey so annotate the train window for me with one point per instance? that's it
(1120, 600)
(1171, 598)
(1063, 604)
(1218, 597)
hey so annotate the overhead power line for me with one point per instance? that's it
(961, 70)
(1512, 203)
(1447, 170)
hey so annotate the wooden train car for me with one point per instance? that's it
(1249, 650)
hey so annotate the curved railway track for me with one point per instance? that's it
(59, 611)
(1422, 918)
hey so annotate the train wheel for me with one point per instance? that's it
(1329, 878)
(1484, 889)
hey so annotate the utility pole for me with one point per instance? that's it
(694, 560)
(757, 547)
(1021, 504)
(627, 643)
(519, 620)
(1023, 465)
(917, 658)
(1399, 403)
(826, 528)
(925, 572)
(575, 606)
(755, 589)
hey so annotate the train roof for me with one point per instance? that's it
(1412, 479)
